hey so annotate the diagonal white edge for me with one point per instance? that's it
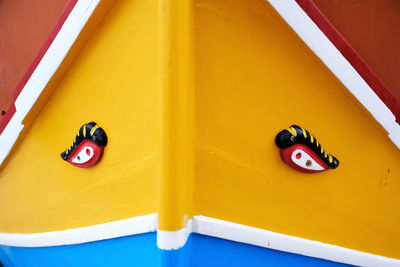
(172, 240)
(318, 43)
(126, 227)
(316, 40)
(289, 10)
(46, 68)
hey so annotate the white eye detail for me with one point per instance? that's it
(302, 159)
(84, 156)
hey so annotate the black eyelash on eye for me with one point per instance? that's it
(99, 137)
(299, 135)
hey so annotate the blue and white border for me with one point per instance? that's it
(169, 240)
(121, 228)
(268, 239)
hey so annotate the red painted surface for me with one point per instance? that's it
(28, 28)
(83, 148)
(372, 29)
(286, 155)
(385, 56)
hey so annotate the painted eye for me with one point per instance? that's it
(84, 155)
(303, 160)
(304, 154)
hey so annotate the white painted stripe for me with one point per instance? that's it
(174, 239)
(309, 32)
(169, 240)
(50, 62)
(264, 238)
(321, 46)
(290, 11)
(126, 227)
(259, 237)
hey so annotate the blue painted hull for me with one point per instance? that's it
(141, 250)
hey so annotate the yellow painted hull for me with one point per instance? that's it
(191, 113)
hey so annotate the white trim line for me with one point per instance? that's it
(169, 240)
(264, 238)
(174, 239)
(316, 40)
(50, 62)
(290, 11)
(126, 227)
(259, 237)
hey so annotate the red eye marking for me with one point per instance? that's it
(85, 154)
(87, 147)
(302, 158)
(301, 151)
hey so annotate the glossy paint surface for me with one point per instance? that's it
(24, 26)
(221, 252)
(191, 114)
(136, 250)
(254, 77)
(177, 83)
(116, 88)
(371, 27)
(141, 250)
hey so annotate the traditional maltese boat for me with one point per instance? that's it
(199, 133)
